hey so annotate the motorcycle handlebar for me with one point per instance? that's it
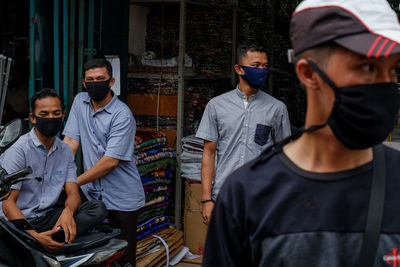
(10, 178)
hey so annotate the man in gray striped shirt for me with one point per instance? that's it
(240, 123)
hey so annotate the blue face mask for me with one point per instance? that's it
(255, 77)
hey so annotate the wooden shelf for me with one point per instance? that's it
(146, 105)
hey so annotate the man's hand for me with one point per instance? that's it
(206, 211)
(67, 222)
(45, 239)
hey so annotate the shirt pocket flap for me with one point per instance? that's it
(262, 133)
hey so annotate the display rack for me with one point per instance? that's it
(173, 105)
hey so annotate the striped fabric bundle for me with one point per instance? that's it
(156, 164)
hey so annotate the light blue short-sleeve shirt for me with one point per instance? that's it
(110, 131)
(242, 129)
(56, 167)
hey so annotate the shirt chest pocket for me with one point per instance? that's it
(262, 133)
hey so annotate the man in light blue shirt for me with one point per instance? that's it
(52, 160)
(240, 123)
(105, 127)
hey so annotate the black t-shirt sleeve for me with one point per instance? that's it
(225, 244)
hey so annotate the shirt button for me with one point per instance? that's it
(244, 141)
(246, 125)
(242, 157)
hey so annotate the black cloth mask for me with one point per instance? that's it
(362, 115)
(48, 126)
(98, 90)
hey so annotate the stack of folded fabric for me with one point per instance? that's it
(152, 251)
(191, 157)
(156, 163)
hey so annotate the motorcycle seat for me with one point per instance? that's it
(88, 241)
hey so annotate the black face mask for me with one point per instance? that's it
(362, 115)
(98, 90)
(48, 126)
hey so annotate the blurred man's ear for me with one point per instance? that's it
(306, 74)
(239, 70)
(32, 118)
(112, 81)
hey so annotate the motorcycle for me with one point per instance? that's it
(99, 247)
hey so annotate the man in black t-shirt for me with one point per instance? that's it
(306, 203)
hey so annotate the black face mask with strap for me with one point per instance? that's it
(362, 115)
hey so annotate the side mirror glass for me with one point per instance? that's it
(10, 133)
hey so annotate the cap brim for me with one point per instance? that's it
(369, 44)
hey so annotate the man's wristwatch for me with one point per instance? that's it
(207, 200)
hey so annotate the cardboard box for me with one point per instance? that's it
(194, 229)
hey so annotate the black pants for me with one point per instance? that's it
(127, 222)
(86, 216)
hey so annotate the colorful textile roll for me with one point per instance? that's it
(144, 154)
(156, 142)
(148, 167)
(151, 222)
(152, 213)
(160, 155)
(153, 229)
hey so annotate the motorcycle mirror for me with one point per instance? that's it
(10, 133)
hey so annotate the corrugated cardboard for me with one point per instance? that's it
(194, 229)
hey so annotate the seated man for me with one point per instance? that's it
(51, 159)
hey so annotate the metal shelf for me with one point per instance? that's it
(190, 2)
(184, 75)
(148, 2)
(151, 76)
(174, 76)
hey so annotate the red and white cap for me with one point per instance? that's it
(370, 28)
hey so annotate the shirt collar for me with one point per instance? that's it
(243, 96)
(39, 143)
(107, 108)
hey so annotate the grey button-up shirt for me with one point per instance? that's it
(241, 133)
(55, 167)
(110, 131)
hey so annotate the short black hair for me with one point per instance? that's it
(244, 47)
(97, 63)
(44, 93)
(320, 53)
